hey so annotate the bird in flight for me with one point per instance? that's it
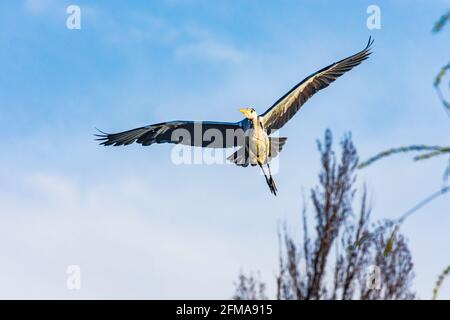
(252, 134)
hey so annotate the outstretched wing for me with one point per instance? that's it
(286, 107)
(194, 133)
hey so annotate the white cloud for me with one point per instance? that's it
(187, 41)
(123, 250)
(202, 43)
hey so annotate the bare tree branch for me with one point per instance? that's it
(345, 233)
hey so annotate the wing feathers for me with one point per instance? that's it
(201, 133)
(286, 107)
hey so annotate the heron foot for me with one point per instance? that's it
(272, 186)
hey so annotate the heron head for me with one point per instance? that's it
(249, 113)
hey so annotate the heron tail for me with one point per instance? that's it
(276, 145)
(242, 158)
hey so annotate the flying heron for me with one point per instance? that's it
(252, 134)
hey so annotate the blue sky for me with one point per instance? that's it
(140, 226)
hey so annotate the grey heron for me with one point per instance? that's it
(252, 134)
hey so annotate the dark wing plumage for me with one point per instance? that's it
(286, 107)
(194, 133)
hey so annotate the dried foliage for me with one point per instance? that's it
(438, 26)
(426, 151)
(441, 22)
(249, 288)
(305, 268)
(437, 86)
(333, 262)
(439, 282)
(422, 203)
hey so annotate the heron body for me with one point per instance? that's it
(261, 141)
(252, 135)
(259, 145)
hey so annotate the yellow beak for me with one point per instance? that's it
(244, 111)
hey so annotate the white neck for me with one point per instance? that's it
(255, 122)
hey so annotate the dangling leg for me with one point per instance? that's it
(265, 176)
(271, 185)
(271, 181)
